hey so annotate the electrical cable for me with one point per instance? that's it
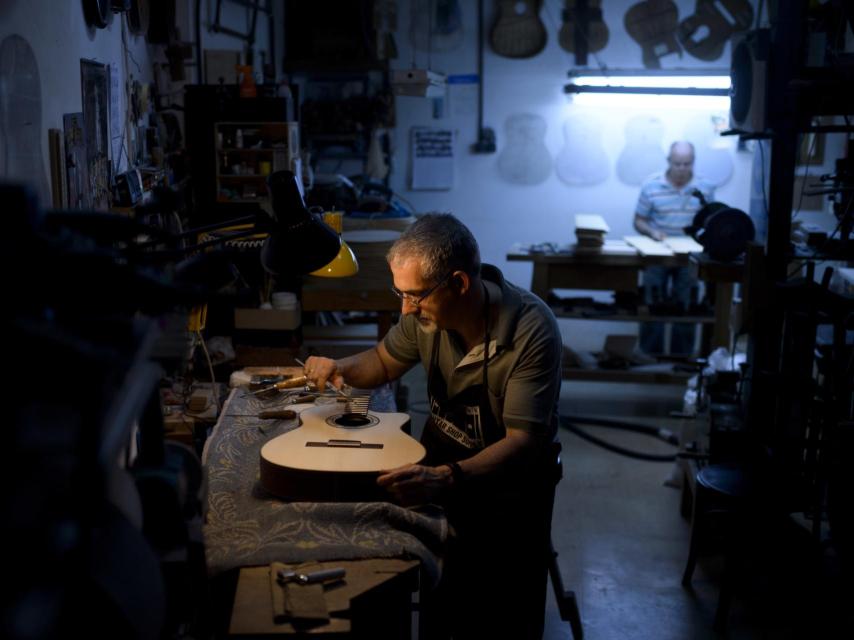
(214, 393)
(665, 435)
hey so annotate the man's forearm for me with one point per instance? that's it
(509, 451)
(364, 370)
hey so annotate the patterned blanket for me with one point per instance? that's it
(244, 525)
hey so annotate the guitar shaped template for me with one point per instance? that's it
(518, 31)
(333, 456)
(652, 24)
(583, 30)
(705, 33)
(21, 117)
(643, 154)
(436, 25)
(525, 159)
(582, 161)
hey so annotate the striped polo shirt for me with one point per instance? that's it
(670, 208)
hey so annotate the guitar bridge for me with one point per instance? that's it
(349, 444)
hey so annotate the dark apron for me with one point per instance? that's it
(497, 559)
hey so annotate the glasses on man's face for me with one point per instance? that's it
(416, 299)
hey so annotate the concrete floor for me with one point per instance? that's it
(621, 541)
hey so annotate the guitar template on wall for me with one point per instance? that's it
(525, 159)
(518, 31)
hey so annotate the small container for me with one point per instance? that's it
(238, 139)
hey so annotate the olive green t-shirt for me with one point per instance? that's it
(525, 357)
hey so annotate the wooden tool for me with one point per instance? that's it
(293, 383)
(337, 456)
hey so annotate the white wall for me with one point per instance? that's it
(500, 213)
(59, 38)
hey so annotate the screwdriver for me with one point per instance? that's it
(293, 383)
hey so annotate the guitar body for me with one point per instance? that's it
(324, 461)
(652, 24)
(705, 33)
(644, 152)
(525, 159)
(582, 161)
(582, 23)
(518, 31)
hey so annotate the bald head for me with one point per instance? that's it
(680, 163)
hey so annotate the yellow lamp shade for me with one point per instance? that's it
(342, 265)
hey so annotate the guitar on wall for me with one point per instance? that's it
(705, 33)
(337, 456)
(518, 31)
(583, 31)
(652, 24)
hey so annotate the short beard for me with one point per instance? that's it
(429, 329)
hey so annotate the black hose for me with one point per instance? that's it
(569, 423)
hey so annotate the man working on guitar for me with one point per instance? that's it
(491, 458)
(667, 204)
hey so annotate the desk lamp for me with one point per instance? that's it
(299, 242)
(344, 264)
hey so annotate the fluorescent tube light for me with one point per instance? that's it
(663, 90)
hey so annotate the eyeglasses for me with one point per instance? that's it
(417, 300)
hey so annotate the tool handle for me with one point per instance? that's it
(324, 575)
(293, 383)
(278, 414)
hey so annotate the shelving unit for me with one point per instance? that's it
(247, 152)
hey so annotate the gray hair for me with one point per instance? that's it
(440, 243)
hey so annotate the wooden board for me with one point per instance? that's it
(648, 246)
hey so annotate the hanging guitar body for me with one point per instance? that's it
(336, 456)
(518, 31)
(652, 24)
(583, 31)
(705, 33)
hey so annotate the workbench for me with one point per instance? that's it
(570, 268)
(246, 527)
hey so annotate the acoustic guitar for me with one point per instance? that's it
(583, 31)
(705, 33)
(518, 31)
(652, 24)
(337, 456)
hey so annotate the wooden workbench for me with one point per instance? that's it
(570, 268)
(372, 601)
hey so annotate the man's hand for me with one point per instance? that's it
(319, 370)
(655, 234)
(416, 484)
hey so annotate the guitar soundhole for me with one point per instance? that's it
(352, 420)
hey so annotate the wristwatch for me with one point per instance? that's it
(457, 473)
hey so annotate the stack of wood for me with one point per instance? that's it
(590, 230)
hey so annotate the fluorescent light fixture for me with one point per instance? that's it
(664, 89)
